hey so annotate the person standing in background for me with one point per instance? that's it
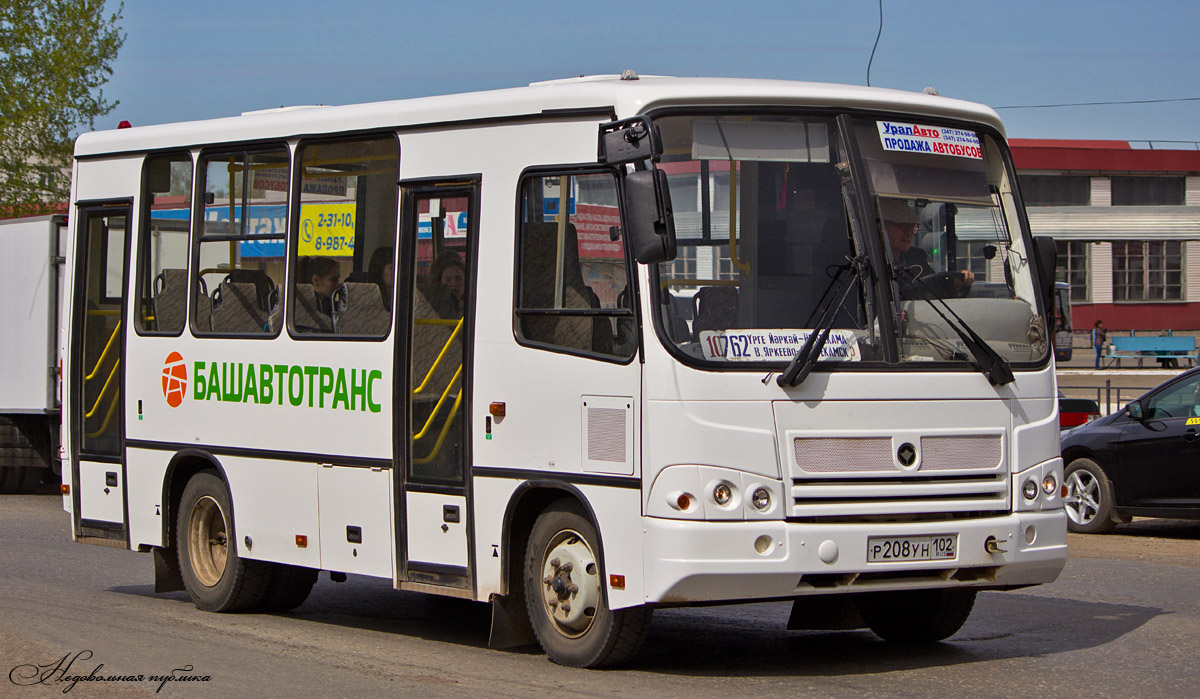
(1099, 337)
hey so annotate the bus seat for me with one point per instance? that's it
(170, 300)
(716, 308)
(359, 310)
(539, 257)
(236, 309)
(264, 286)
(306, 315)
(203, 315)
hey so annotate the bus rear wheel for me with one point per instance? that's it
(215, 576)
(288, 587)
(916, 616)
(564, 593)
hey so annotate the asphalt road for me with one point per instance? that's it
(1123, 620)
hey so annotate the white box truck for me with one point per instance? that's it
(30, 288)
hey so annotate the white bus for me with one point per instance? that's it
(579, 349)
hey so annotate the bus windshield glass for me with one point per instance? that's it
(778, 238)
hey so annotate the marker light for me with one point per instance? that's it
(1049, 484)
(761, 499)
(684, 501)
(722, 494)
(1029, 490)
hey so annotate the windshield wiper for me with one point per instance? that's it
(986, 359)
(804, 360)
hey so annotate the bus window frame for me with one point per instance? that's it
(631, 277)
(143, 244)
(197, 239)
(292, 237)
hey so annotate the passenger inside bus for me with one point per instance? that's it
(314, 300)
(382, 272)
(446, 284)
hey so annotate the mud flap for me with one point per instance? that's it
(166, 571)
(825, 613)
(510, 624)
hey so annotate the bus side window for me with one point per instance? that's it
(240, 242)
(163, 243)
(573, 283)
(347, 216)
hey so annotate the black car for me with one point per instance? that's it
(1143, 460)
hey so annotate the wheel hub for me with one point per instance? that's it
(1082, 501)
(570, 584)
(208, 541)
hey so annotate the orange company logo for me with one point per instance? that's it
(174, 379)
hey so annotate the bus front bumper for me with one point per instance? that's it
(696, 562)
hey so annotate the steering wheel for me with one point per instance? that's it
(945, 283)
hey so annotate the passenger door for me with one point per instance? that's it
(437, 269)
(98, 348)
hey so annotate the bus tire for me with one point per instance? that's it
(916, 616)
(214, 575)
(288, 587)
(564, 592)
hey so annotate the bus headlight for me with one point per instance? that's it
(761, 499)
(1029, 490)
(1049, 485)
(722, 494)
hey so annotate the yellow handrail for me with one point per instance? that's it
(733, 256)
(104, 354)
(112, 409)
(437, 447)
(433, 413)
(104, 390)
(104, 312)
(445, 348)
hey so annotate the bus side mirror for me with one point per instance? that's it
(1045, 255)
(648, 210)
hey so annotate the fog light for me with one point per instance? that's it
(761, 499)
(1049, 484)
(763, 544)
(1030, 534)
(1029, 490)
(722, 494)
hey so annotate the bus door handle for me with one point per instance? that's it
(450, 514)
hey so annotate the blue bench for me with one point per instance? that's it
(1167, 350)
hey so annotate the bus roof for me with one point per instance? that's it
(592, 94)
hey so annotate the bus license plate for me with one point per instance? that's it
(937, 547)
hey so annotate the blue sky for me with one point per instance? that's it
(195, 60)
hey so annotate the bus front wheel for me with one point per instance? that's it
(564, 593)
(215, 576)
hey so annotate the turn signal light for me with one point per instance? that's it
(65, 488)
(616, 582)
(302, 540)
(496, 409)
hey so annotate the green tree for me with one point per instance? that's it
(55, 56)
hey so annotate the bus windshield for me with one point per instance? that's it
(777, 237)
